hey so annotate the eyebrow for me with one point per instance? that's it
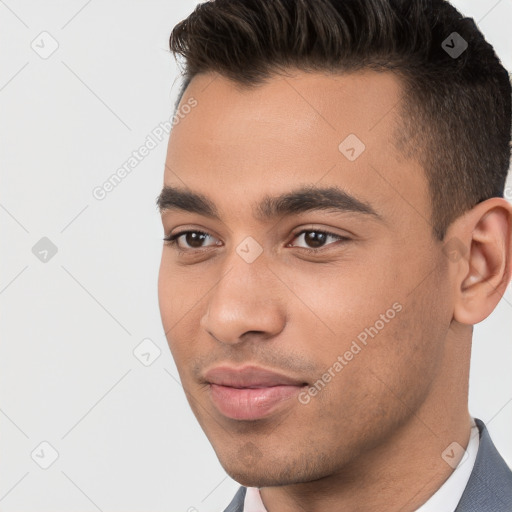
(305, 199)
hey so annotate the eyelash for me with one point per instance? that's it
(172, 240)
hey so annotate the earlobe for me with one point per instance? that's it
(488, 268)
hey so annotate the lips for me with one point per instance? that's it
(250, 392)
(249, 377)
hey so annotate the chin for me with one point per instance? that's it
(248, 473)
(265, 473)
(255, 478)
(250, 470)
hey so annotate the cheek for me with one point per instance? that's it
(166, 293)
(386, 379)
(178, 290)
(390, 340)
(338, 303)
(176, 298)
(399, 364)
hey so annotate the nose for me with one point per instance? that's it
(247, 299)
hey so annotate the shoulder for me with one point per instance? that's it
(237, 503)
(490, 485)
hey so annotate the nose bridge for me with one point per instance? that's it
(245, 298)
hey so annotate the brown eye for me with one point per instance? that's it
(316, 239)
(192, 239)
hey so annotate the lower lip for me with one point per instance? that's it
(250, 403)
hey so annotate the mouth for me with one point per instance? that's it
(250, 393)
(251, 403)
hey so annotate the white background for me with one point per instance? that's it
(125, 435)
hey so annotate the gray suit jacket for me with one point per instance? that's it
(489, 488)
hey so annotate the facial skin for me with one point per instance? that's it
(372, 438)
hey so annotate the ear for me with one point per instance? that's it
(483, 239)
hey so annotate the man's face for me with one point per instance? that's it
(356, 325)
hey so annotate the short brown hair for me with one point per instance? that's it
(456, 113)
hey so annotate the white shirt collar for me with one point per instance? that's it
(445, 499)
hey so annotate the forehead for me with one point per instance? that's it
(300, 102)
(240, 144)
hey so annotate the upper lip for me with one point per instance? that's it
(249, 377)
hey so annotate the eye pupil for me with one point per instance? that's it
(194, 237)
(315, 239)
